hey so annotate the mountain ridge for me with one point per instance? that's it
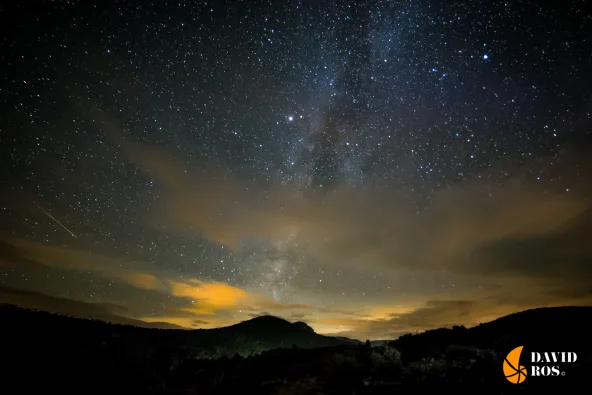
(245, 358)
(245, 338)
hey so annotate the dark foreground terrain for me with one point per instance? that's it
(48, 353)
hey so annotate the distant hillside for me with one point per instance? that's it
(245, 338)
(562, 328)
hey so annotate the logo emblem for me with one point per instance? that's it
(514, 372)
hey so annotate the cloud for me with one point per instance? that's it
(354, 229)
(141, 280)
(191, 297)
(446, 313)
(12, 255)
(22, 252)
(513, 230)
(563, 252)
(211, 297)
(100, 311)
(468, 228)
(578, 293)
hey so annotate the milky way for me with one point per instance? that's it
(370, 167)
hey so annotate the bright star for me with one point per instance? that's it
(485, 56)
(290, 118)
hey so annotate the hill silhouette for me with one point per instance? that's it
(45, 352)
(69, 307)
(544, 328)
(245, 338)
(260, 334)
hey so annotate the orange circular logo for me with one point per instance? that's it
(512, 369)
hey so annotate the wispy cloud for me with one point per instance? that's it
(107, 312)
(23, 252)
(463, 227)
(223, 303)
(445, 313)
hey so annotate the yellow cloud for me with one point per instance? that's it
(212, 296)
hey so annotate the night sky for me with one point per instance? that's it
(372, 168)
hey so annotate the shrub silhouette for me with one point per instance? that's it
(386, 361)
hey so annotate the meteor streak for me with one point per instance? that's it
(55, 219)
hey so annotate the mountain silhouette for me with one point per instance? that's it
(303, 326)
(262, 333)
(548, 328)
(44, 352)
(245, 338)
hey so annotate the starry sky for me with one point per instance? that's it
(372, 168)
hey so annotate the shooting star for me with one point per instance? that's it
(58, 222)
